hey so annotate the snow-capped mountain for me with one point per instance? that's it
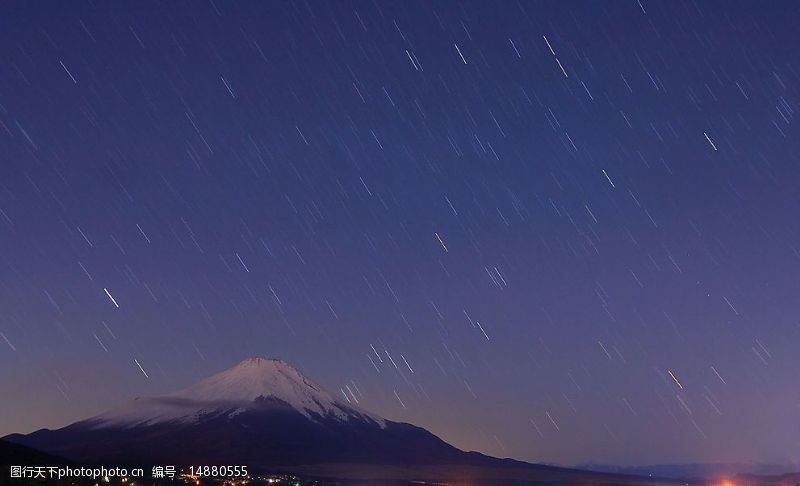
(261, 412)
(253, 384)
(264, 414)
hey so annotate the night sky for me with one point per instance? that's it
(561, 231)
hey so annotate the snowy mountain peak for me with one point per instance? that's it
(256, 370)
(258, 361)
(249, 385)
(256, 378)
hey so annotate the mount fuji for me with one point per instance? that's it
(266, 415)
(254, 384)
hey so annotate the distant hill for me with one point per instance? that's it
(699, 470)
(19, 455)
(12, 454)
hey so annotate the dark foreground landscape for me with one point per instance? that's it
(361, 474)
(265, 415)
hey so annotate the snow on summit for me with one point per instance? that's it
(233, 391)
(260, 377)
